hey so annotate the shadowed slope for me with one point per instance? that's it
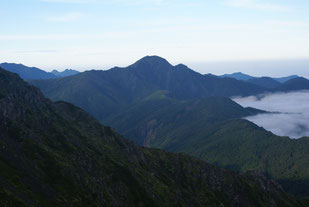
(55, 154)
(211, 129)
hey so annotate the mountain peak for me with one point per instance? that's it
(152, 61)
(238, 76)
(65, 73)
(182, 66)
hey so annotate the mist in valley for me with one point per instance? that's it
(292, 118)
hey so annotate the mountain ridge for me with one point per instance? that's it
(294, 84)
(119, 87)
(213, 130)
(101, 93)
(105, 94)
(67, 158)
(26, 72)
(246, 77)
(238, 76)
(33, 73)
(65, 73)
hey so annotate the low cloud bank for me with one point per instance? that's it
(293, 119)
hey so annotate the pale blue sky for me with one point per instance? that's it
(84, 34)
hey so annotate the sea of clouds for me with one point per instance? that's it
(293, 119)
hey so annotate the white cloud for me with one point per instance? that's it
(294, 116)
(257, 4)
(69, 17)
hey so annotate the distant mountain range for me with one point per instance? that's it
(65, 73)
(294, 84)
(238, 76)
(245, 77)
(55, 154)
(284, 84)
(33, 73)
(26, 72)
(272, 84)
(265, 82)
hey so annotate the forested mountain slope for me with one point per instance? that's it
(55, 154)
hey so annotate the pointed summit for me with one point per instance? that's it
(152, 61)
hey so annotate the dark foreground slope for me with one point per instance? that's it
(54, 154)
(212, 130)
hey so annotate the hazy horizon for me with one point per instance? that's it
(216, 37)
(258, 68)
